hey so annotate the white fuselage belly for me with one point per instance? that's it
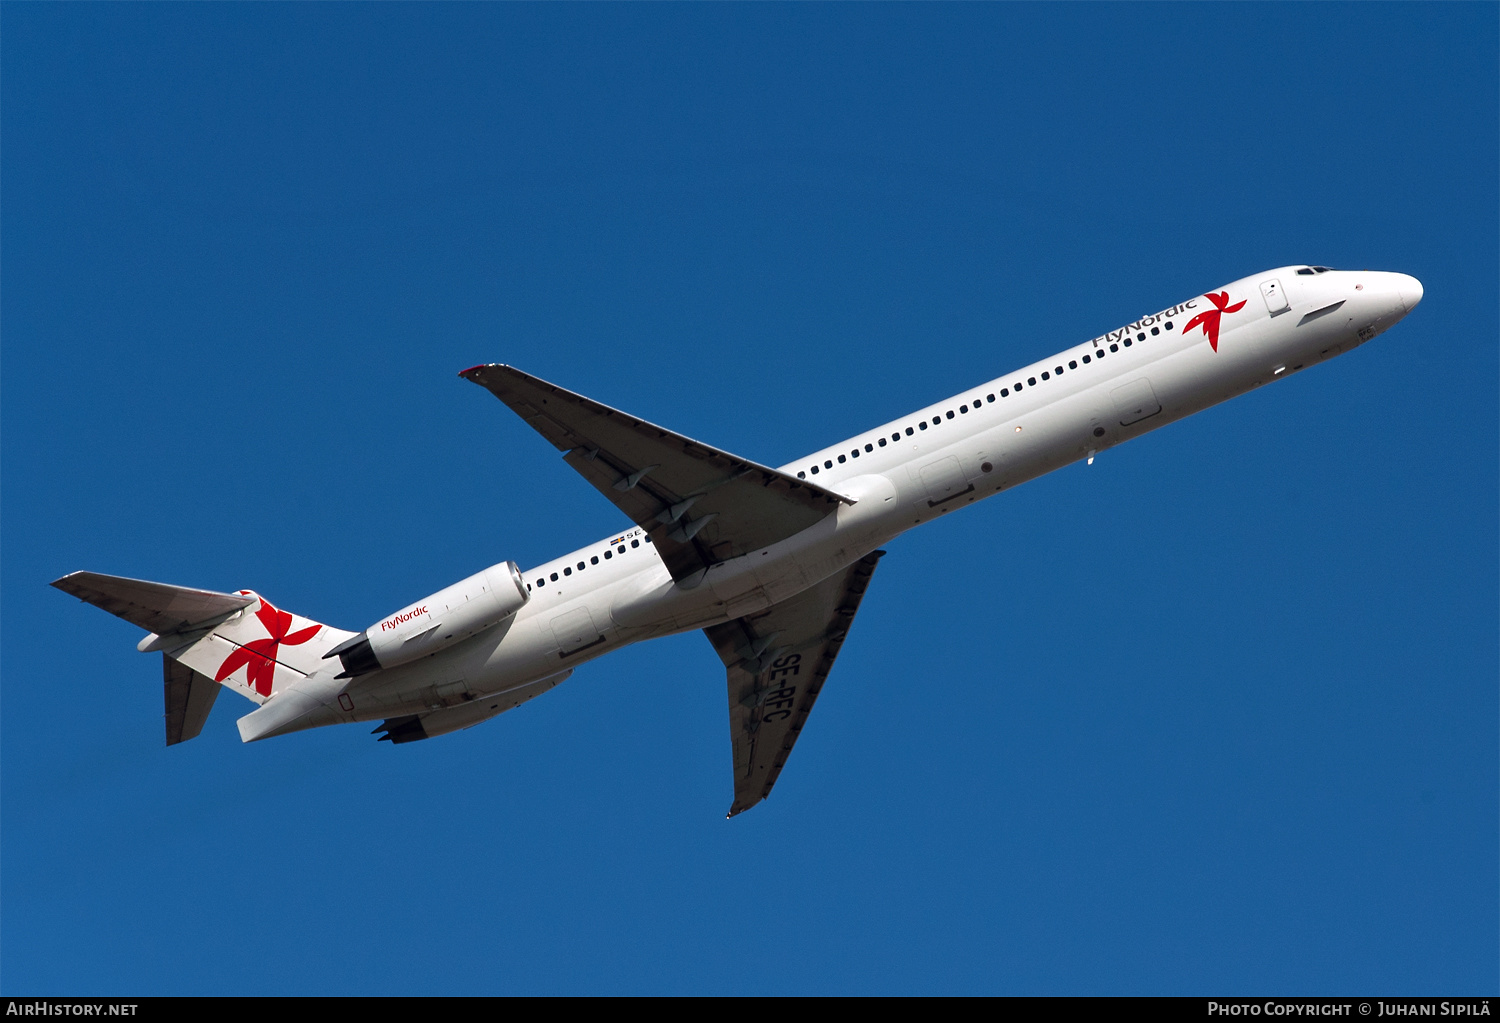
(985, 447)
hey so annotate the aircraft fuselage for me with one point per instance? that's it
(954, 453)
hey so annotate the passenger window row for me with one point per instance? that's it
(1097, 356)
(1018, 387)
(609, 553)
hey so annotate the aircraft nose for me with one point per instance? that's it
(1410, 290)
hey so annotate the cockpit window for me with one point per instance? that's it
(1306, 271)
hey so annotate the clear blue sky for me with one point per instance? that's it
(1215, 714)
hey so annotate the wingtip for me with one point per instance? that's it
(69, 583)
(473, 371)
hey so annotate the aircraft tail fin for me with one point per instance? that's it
(189, 696)
(238, 640)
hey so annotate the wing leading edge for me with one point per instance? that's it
(777, 662)
(700, 505)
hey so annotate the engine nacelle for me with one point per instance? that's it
(445, 618)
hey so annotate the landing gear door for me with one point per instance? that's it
(1274, 296)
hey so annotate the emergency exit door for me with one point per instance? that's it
(1135, 401)
(575, 631)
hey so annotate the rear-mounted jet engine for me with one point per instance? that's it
(446, 617)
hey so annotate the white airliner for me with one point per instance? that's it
(770, 563)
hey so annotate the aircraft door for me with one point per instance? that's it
(575, 631)
(1275, 297)
(1135, 401)
(943, 481)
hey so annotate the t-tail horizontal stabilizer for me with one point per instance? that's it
(208, 638)
(155, 607)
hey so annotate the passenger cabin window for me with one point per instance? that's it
(802, 475)
(842, 459)
(1005, 392)
(567, 571)
(909, 431)
(608, 555)
(1031, 381)
(1072, 364)
(869, 447)
(882, 442)
(990, 398)
(922, 425)
(635, 543)
(621, 550)
(815, 470)
(950, 416)
(594, 560)
(1046, 375)
(554, 577)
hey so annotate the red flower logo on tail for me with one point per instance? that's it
(260, 654)
(1210, 318)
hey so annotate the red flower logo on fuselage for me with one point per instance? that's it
(260, 654)
(1209, 319)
